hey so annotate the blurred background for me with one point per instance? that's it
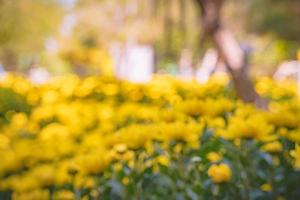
(134, 38)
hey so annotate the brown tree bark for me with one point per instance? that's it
(229, 49)
(9, 60)
(182, 22)
(168, 27)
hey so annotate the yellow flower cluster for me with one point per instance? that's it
(76, 128)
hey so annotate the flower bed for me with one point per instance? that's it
(101, 138)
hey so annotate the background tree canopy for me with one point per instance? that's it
(168, 25)
(24, 26)
(281, 18)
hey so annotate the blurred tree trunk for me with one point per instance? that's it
(154, 7)
(229, 49)
(9, 60)
(168, 27)
(182, 22)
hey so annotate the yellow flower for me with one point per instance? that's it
(32, 195)
(214, 156)
(120, 148)
(266, 187)
(54, 131)
(163, 160)
(219, 173)
(117, 166)
(125, 180)
(50, 96)
(294, 135)
(93, 163)
(44, 174)
(187, 132)
(83, 182)
(216, 122)
(296, 155)
(64, 194)
(272, 147)
(19, 120)
(135, 136)
(4, 142)
(248, 124)
(193, 107)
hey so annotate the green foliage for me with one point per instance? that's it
(186, 175)
(282, 17)
(10, 103)
(24, 26)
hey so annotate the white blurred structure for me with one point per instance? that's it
(133, 62)
(208, 65)
(288, 69)
(185, 65)
(68, 24)
(2, 71)
(68, 4)
(66, 28)
(38, 75)
(51, 45)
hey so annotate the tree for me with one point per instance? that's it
(282, 18)
(229, 49)
(24, 26)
